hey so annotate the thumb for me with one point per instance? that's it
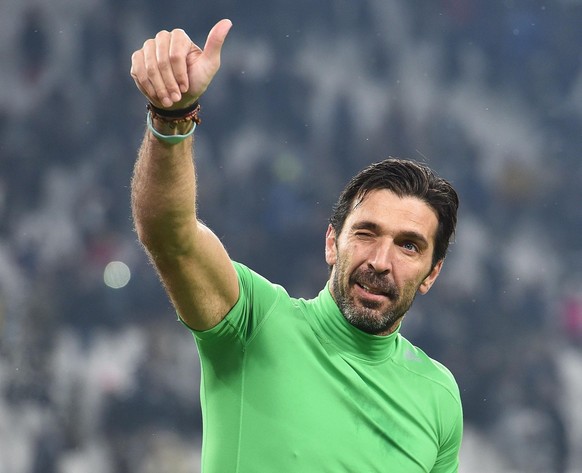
(216, 39)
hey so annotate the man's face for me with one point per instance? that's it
(381, 259)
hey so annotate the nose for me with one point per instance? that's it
(381, 257)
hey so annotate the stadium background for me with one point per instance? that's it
(96, 375)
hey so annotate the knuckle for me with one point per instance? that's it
(151, 69)
(162, 34)
(136, 57)
(179, 32)
(163, 64)
(175, 57)
(139, 77)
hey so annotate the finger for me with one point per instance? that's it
(153, 72)
(163, 40)
(215, 40)
(180, 46)
(139, 75)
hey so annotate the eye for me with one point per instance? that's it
(410, 246)
(363, 235)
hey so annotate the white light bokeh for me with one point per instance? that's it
(116, 275)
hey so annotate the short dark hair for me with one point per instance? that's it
(405, 178)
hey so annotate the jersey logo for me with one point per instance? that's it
(410, 355)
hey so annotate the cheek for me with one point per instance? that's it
(341, 265)
(417, 283)
(344, 267)
(355, 254)
(407, 278)
(411, 287)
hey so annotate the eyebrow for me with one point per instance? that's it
(376, 228)
(367, 225)
(415, 236)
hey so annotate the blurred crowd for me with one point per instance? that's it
(98, 376)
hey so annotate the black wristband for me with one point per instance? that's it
(172, 114)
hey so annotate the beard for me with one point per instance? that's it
(369, 315)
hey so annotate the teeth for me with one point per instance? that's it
(371, 291)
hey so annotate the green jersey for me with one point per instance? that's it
(288, 385)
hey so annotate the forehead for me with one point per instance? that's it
(390, 211)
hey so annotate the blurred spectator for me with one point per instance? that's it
(96, 378)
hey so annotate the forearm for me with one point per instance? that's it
(163, 192)
(172, 72)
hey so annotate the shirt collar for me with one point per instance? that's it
(333, 327)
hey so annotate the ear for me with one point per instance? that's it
(330, 246)
(427, 283)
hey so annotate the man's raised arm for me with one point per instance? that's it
(172, 72)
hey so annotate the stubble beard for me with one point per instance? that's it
(369, 316)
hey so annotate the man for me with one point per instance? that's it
(293, 385)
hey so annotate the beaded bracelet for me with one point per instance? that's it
(173, 117)
(181, 115)
(170, 139)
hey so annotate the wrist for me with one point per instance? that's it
(172, 126)
(186, 114)
(168, 132)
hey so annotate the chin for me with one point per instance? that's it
(370, 321)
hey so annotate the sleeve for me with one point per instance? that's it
(257, 297)
(447, 460)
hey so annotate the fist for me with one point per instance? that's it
(172, 72)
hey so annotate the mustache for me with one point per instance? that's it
(376, 282)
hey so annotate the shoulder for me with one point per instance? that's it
(258, 299)
(253, 285)
(261, 297)
(419, 364)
